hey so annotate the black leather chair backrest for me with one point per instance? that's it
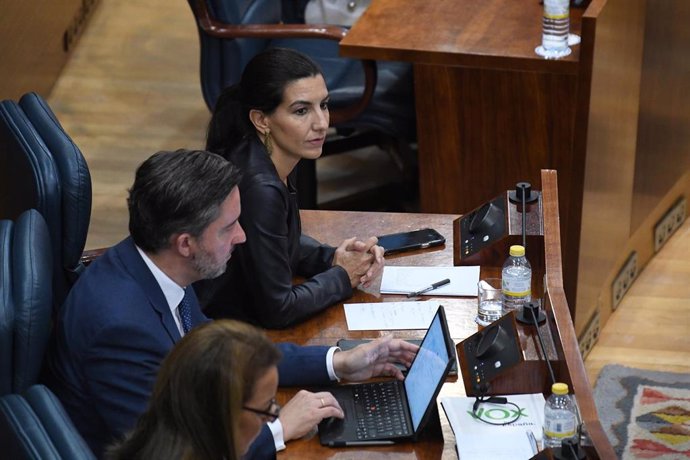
(222, 61)
(22, 433)
(41, 168)
(25, 300)
(35, 426)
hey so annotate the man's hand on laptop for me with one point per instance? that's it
(374, 359)
(305, 410)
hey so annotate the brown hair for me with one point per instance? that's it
(201, 387)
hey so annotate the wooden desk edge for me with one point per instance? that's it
(564, 325)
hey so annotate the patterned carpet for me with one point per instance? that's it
(646, 414)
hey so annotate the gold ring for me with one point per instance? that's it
(323, 404)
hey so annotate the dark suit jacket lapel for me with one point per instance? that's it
(136, 266)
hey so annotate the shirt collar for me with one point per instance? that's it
(172, 291)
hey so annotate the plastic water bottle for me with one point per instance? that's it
(560, 417)
(516, 280)
(555, 29)
(556, 24)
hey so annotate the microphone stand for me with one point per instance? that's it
(531, 310)
(523, 193)
(524, 214)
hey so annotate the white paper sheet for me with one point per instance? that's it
(402, 280)
(390, 315)
(510, 445)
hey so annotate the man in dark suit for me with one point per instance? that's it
(135, 302)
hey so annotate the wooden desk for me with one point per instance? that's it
(329, 326)
(498, 34)
(490, 113)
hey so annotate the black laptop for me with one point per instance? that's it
(392, 411)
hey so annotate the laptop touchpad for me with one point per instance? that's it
(336, 427)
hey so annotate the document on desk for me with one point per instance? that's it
(478, 440)
(403, 280)
(390, 315)
(510, 445)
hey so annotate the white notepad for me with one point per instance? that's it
(403, 280)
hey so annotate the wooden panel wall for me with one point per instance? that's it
(36, 37)
(638, 152)
(534, 111)
(611, 147)
(663, 140)
(505, 127)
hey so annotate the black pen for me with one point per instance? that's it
(435, 285)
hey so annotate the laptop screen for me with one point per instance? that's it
(426, 371)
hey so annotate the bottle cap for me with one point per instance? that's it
(517, 250)
(559, 388)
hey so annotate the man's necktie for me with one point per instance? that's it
(185, 310)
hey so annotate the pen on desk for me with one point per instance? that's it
(532, 442)
(433, 286)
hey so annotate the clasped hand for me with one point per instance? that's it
(362, 260)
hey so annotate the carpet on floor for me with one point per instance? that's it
(646, 414)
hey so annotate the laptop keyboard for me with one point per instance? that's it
(379, 410)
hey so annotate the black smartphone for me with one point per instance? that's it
(407, 241)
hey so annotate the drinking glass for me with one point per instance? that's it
(489, 301)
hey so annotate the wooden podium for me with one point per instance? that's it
(329, 326)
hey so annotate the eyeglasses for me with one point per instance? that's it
(271, 414)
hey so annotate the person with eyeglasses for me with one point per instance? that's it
(213, 393)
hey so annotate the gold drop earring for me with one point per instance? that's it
(268, 143)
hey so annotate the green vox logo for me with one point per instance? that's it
(498, 413)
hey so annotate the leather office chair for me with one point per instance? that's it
(25, 300)
(32, 425)
(35, 426)
(373, 99)
(41, 168)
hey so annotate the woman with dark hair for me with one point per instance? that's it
(213, 393)
(274, 117)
